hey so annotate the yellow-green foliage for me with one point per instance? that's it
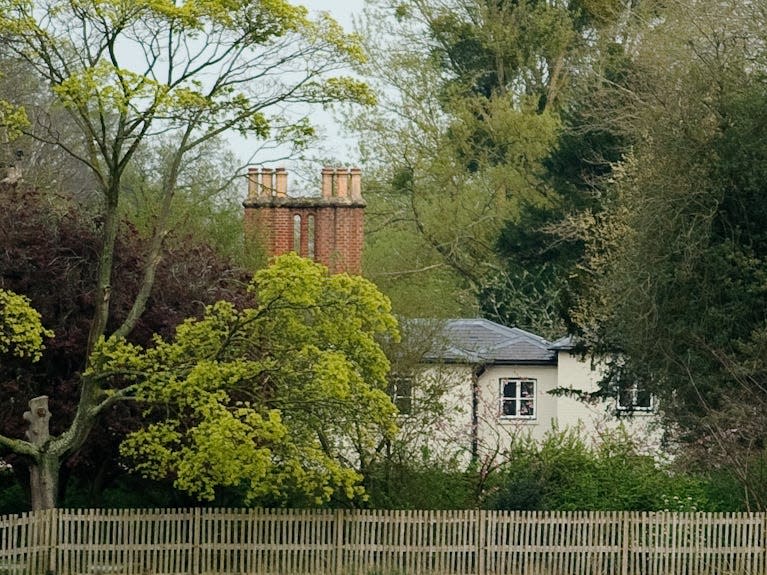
(215, 54)
(271, 398)
(21, 331)
(12, 118)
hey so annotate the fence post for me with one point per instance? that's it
(196, 528)
(43, 544)
(339, 542)
(481, 540)
(625, 539)
(53, 541)
(763, 545)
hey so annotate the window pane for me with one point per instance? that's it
(526, 407)
(643, 399)
(517, 397)
(527, 389)
(310, 237)
(297, 234)
(626, 398)
(401, 393)
(404, 404)
(634, 397)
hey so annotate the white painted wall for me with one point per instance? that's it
(448, 434)
(495, 432)
(441, 418)
(576, 373)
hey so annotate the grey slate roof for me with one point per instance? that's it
(565, 343)
(484, 341)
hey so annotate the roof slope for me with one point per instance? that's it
(565, 343)
(484, 341)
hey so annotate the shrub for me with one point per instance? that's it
(566, 472)
(413, 484)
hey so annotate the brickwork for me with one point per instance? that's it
(328, 228)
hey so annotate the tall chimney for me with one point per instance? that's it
(328, 229)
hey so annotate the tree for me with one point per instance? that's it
(278, 398)
(538, 258)
(49, 239)
(37, 111)
(207, 203)
(129, 72)
(455, 162)
(21, 336)
(286, 399)
(676, 261)
(476, 96)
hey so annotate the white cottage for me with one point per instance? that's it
(491, 383)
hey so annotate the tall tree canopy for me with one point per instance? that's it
(675, 278)
(129, 72)
(478, 99)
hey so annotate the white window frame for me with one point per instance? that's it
(633, 392)
(521, 402)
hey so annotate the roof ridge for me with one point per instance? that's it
(532, 335)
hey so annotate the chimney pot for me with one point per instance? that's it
(253, 174)
(327, 182)
(342, 182)
(281, 182)
(267, 182)
(355, 183)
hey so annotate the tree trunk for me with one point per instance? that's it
(44, 471)
(44, 481)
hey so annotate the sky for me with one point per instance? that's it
(341, 147)
(342, 10)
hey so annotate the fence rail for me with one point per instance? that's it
(264, 541)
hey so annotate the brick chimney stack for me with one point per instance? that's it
(327, 229)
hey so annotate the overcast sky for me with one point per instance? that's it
(342, 10)
(334, 143)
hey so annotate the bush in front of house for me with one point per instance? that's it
(418, 483)
(567, 471)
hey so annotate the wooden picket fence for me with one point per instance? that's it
(294, 541)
